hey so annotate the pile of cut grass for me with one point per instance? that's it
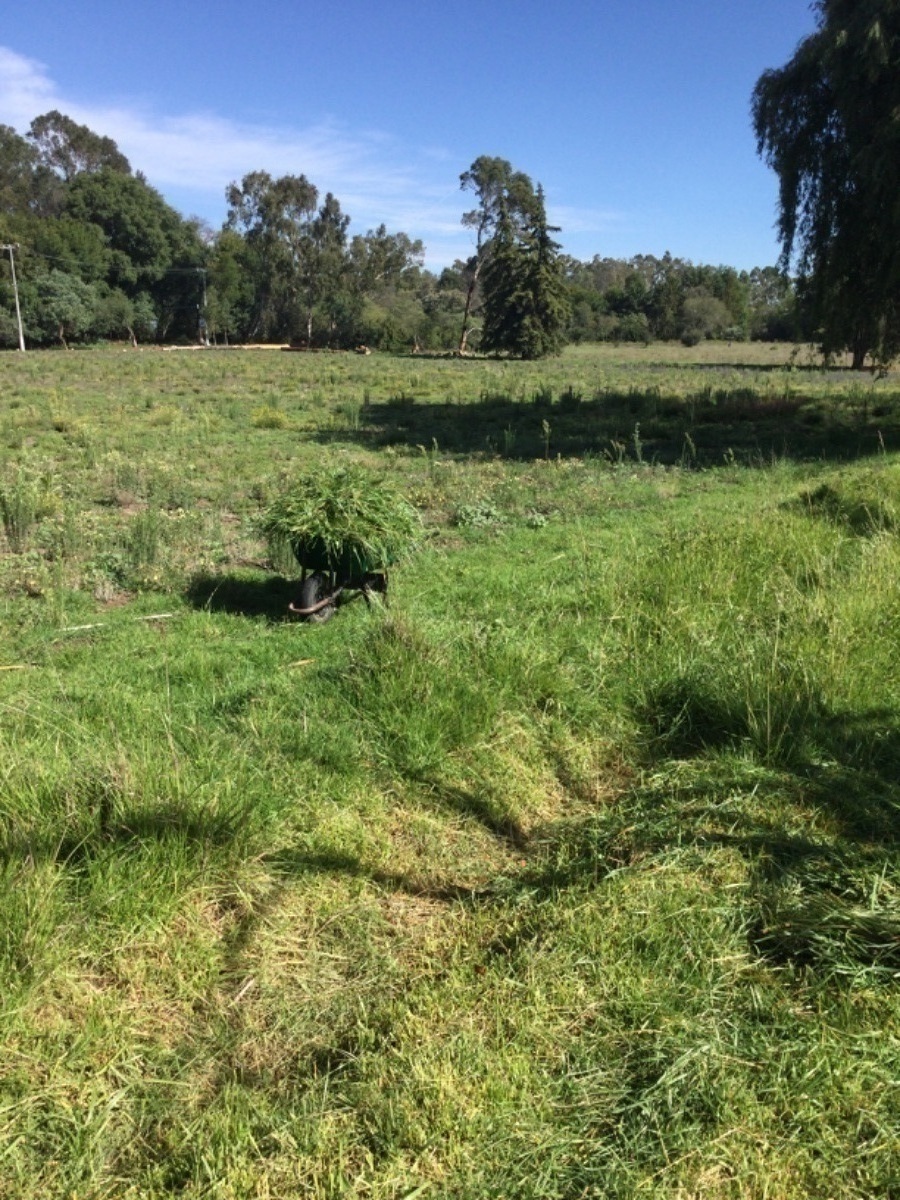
(343, 519)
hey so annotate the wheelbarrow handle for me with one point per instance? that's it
(317, 607)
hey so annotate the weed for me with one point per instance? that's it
(268, 417)
(143, 541)
(26, 496)
(483, 514)
(535, 520)
(616, 451)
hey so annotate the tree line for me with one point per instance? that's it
(102, 255)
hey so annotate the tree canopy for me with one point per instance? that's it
(827, 123)
(71, 149)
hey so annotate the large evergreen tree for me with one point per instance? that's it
(526, 300)
(827, 123)
(503, 195)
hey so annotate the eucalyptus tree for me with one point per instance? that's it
(384, 301)
(381, 259)
(18, 160)
(298, 251)
(827, 124)
(323, 265)
(772, 305)
(70, 149)
(273, 215)
(231, 294)
(28, 187)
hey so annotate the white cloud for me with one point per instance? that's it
(194, 150)
(583, 220)
(25, 89)
(192, 157)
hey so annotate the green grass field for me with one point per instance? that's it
(573, 872)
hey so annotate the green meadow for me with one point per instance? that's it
(573, 870)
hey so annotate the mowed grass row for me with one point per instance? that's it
(690, 406)
(573, 872)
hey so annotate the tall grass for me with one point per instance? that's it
(26, 496)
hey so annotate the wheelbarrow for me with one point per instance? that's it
(326, 578)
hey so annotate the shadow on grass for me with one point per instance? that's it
(294, 864)
(100, 830)
(740, 423)
(816, 369)
(467, 802)
(243, 595)
(818, 830)
(856, 777)
(818, 827)
(847, 762)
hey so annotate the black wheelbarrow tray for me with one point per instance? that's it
(326, 576)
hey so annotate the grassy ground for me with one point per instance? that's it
(572, 873)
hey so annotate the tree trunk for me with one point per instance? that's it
(859, 356)
(470, 295)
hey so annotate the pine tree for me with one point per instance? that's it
(526, 305)
(503, 289)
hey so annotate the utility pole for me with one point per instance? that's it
(12, 266)
(202, 322)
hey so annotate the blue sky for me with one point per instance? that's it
(633, 114)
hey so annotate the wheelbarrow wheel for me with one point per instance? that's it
(314, 589)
